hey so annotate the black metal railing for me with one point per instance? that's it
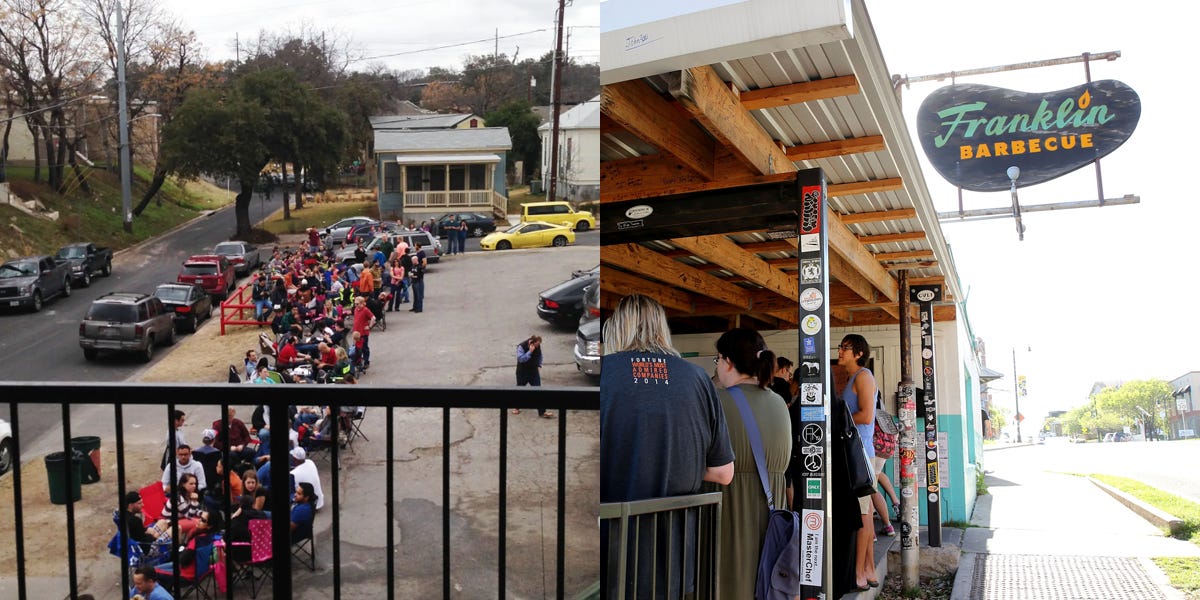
(662, 547)
(278, 398)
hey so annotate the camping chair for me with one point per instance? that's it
(198, 583)
(352, 419)
(306, 551)
(153, 501)
(258, 569)
(138, 557)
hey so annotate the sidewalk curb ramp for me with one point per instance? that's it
(1157, 517)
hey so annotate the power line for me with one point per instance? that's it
(487, 40)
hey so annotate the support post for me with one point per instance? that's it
(123, 125)
(926, 295)
(555, 105)
(910, 518)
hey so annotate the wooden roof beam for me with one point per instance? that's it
(721, 250)
(628, 283)
(870, 143)
(907, 254)
(879, 215)
(715, 105)
(637, 108)
(652, 265)
(884, 238)
(797, 93)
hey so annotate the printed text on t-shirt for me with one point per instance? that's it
(649, 370)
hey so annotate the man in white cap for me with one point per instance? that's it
(305, 470)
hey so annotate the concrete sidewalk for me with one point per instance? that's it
(1052, 535)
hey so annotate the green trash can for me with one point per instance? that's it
(55, 463)
(89, 445)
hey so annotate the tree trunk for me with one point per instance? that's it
(160, 176)
(287, 211)
(299, 188)
(83, 184)
(241, 208)
(4, 149)
(37, 153)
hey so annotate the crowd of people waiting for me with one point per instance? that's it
(685, 432)
(194, 503)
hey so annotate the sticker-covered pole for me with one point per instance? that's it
(812, 435)
(910, 518)
(926, 295)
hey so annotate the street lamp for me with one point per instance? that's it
(1013, 173)
(1017, 382)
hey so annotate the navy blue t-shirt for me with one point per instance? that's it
(661, 426)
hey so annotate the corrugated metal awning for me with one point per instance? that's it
(442, 159)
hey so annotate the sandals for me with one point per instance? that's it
(547, 415)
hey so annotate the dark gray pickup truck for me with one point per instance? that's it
(86, 259)
(30, 281)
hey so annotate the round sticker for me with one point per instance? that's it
(925, 295)
(931, 455)
(811, 298)
(811, 324)
(933, 497)
(927, 354)
(813, 521)
(640, 211)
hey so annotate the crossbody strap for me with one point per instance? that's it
(756, 445)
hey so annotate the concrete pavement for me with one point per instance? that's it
(1039, 534)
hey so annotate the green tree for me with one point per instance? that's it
(522, 126)
(1122, 403)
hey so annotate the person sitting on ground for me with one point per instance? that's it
(145, 585)
(184, 465)
(280, 321)
(184, 503)
(289, 357)
(304, 470)
(303, 511)
(253, 489)
(263, 374)
(251, 364)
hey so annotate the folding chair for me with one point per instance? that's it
(153, 501)
(258, 569)
(198, 582)
(306, 551)
(353, 417)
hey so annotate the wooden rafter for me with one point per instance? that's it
(636, 107)
(796, 93)
(907, 254)
(650, 264)
(870, 143)
(885, 238)
(713, 103)
(721, 250)
(628, 283)
(879, 215)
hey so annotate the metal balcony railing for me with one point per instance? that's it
(278, 398)
(661, 547)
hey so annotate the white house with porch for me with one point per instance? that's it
(428, 172)
(578, 152)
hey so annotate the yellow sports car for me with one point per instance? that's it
(528, 235)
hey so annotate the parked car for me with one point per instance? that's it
(433, 247)
(588, 344)
(212, 272)
(528, 235)
(558, 213)
(86, 259)
(188, 302)
(562, 305)
(126, 322)
(244, 256)
(337, 232)
(477, 225)
(370, 231)
(6, 447)
(31, 280)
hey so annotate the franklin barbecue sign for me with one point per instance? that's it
(973, 133)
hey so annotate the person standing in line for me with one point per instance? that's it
(463, 232)
(782, 379)
(450, 228)
(859, 396)
(416, 276)
(662, 433)
(399, 285)
(884, 451)
(744, 362)
(364, 319)
(529, 364)
(179, 418)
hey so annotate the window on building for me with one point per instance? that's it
(458, 177)
(437, 178)
(391, 177)
(478, 177)
(414, 176)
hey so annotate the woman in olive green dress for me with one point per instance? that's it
(744, 360)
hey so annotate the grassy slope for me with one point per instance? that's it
(97, 217)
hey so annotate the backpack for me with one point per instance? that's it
(886, 432)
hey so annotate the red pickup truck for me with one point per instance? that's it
(212, 272)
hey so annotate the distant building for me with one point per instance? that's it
(578, 152)
(1183, 415)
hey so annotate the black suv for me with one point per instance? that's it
(126, 322)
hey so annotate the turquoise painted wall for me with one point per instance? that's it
(958, 499)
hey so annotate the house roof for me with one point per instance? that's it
(986, 374)
(424, 121)
(581, 116)
(734, 114)
(434, 140)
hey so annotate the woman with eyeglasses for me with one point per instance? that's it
(745, 367)
(859, 396)
(199, 540)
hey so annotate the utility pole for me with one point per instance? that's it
(910, 517)
(555, 101)
(1016, 395)
(123, 124)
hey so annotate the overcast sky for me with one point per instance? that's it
(1098, 294)
(406, 29)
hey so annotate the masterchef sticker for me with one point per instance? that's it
(812, 546)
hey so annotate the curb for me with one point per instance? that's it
(964, 577)
(1007, 446)
(1157, 517)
